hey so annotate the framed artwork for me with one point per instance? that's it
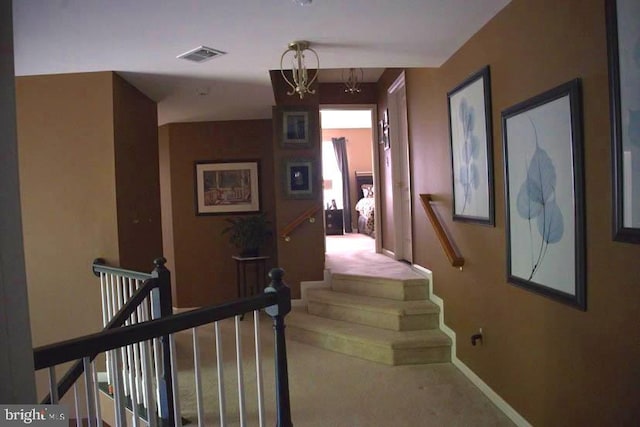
(544, 189)
(623, 38)
(297, 127)
(385, 130)
(471, 139)
(227, 187)
(299, 179)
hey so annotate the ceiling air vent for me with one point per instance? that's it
(201, 54)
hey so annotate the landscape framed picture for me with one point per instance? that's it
(299, 179)
(623, 39)
(544, 189)
(227, 187)
(470, 136)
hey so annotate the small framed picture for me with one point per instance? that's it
(299, 179)
(296, 127)
(227, 187)
(385, 130)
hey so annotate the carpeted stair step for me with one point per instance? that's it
(366, 342)
(397, 289)
(372, 311)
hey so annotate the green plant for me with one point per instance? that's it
(248, 233)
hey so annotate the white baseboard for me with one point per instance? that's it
(494, 397)
(388, 253)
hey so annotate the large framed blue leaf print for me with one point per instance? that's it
(623, 39)
(472, 149)
(544, 189)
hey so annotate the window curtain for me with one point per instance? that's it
(340, 148)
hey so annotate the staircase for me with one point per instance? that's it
(380, 319)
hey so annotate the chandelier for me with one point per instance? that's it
(301, 83)
(352, 81)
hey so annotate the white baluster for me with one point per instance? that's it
(89, 389)
(106, 311)
(241, 406)
(220, 369)
(149, 401)
(260, 386)
(76, 403)
(96, 387)
(198, 377)
(177, 413)
(53, 385)
(119, 397)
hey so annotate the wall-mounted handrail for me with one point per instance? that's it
(309, 214)
(452, 253)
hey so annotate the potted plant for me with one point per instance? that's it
(248, 233)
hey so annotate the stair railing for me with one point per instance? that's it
(128, 297)
(450, 250)
(116, 340)
(309, 215)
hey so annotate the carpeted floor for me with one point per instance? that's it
(330, 389)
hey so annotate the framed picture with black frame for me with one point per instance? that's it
(299, 179)
(471, 141)
(296, 127)
(544, 191)
(623, 40)
(227, 187)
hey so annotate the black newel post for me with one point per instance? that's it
(161, 307)
(277, 312)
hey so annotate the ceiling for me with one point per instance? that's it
(140, 39)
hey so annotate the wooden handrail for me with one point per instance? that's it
(308, 214)
(454, 257)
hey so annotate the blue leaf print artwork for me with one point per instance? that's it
(536, 200)
(468, 174)
(634, 127)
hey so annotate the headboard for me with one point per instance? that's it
(362, 178)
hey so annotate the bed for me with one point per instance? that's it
(365, 206)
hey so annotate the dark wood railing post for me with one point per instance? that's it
(278, 312)
(161, 307)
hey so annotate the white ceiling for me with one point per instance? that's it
(140, 39)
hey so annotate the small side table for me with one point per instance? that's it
(245, 289)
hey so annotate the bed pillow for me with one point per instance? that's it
(367, 190)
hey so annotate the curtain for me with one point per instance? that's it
(340, 148)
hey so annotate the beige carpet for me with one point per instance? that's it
(332, 389)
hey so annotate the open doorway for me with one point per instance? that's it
(348, 171)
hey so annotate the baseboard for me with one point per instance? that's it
(494, 397)
(388, 253)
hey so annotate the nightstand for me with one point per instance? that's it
(334, 222)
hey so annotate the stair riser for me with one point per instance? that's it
(369, 351)
(377, 319)
(394, 290)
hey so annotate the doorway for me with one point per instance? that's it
(349, 198)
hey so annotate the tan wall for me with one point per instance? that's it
(202, 268)
(359, 143)
(554, 364)
(67, 180)
(137, 176)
